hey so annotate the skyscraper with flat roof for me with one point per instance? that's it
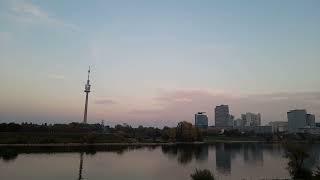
(251, 119)
(201, 120)
(296, 119)
(222, 116)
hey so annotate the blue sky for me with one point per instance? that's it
(235, 52)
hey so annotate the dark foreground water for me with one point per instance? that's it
(227, 161)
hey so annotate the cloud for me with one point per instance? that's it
(56, 76)
(307, 97)
(104, 102)
(181, 105)
(30, 13)
(29, 9)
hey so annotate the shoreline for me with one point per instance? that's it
(126, 144)
(147, 144)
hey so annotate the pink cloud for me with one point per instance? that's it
(181, 105)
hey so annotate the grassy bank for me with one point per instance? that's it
(56, 138)
(100, 138)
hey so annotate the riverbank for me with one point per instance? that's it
(207, 142)
(103, 139)
(125, 144)
(81, 139)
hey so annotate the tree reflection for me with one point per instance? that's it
(8, 154)
(185, 153)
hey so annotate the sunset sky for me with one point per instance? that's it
(157, 62)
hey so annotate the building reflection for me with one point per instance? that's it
(223, 158)
(225, 154)
(253, 154)
(184, 154)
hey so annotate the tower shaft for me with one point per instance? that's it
(86, 90)
(86, 109)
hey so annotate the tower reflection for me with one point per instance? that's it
(81, 167)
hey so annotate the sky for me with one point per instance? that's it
(156, 63)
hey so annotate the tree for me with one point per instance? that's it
(168, 134)
(296, 155)
(202, 175)
(186, 132)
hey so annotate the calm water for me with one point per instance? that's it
(227, 161)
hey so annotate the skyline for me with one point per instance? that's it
(157, 61)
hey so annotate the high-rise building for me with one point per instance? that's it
(296, 119)
(201, 120)
(222, 116)
(86, 90)
(244, 119)
(251, 119)
(311, 120)
(238, 123)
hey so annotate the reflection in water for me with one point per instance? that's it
(223, 158)
(81, 166)
(225, 153)
(8, 154)
(252, 154)
(229, 157)
(313, 160)
(185, 153)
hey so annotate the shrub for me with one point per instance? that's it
(202, 175)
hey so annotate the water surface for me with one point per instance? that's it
(226, 160)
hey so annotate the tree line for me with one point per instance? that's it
(183, 132)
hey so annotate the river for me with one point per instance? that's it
(164, 162)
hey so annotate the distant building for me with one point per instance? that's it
(311, 120)
(310, 130)
(279, 126)
(251, 119)
(201, 120)
(296, 119)
(222, 116)
(244, 119)
(238, 123)
(256, 129)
